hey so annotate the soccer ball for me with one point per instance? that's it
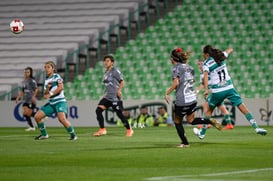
(17, 26)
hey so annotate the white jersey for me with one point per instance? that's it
(55, 79)
(219, 79)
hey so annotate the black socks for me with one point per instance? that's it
(200, 121)
(181, 133)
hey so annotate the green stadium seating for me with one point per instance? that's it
(244, 25)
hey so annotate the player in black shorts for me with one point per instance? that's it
(29, 91)
(113, 81)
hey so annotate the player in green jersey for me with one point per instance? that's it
(54, 92)
(218, 81)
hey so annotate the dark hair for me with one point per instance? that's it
(162, 107)
(30, 71)
(109, 56)
(179, 55)
(216, 54)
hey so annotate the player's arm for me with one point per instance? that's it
(121, 85)
(206, 78)
(199, 88)
(60, 87)
(171, 88)
(34, 95)
(19, 96)
(228, 51)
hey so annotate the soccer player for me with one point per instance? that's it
(113, 81)
(217, 79)
(29, 92)
(221, 107)
(185, 103)
(54, 92)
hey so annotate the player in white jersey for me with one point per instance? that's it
(185, 102)
(54, 92)
(218, 81)
(221, 107)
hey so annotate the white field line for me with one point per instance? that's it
(176, 178)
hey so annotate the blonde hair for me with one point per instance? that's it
(52, 64)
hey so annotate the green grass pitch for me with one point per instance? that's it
(238, 154)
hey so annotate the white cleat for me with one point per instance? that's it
(30, 129)
(196, 131)
(261, 131)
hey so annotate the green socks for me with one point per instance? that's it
(42, 128)
(71, 131)
(204, 129)
(251, 120)
(227, 118)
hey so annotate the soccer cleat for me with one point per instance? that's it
(73, 137)
(216, 124)
(261, 131)
(30, 129)
(129, 132)
(228, 127)
(102, 131)
(41, 137)
(182, 146)
(197, 132)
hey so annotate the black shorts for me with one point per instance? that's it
(116, 105)
(29, 105)
(181, 111)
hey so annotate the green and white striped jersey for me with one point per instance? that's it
(218, 79)
(54, 80)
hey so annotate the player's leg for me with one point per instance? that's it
(194, 121)
(27, 111)
(236, 100)
(42, 113)
(61, 108)
(226, 114)
(103, 105)
(118, 108)
(178, 117)
(242, 107)
(212, 100)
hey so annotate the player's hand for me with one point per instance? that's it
(46, 96)
(167, 98)
(205, 94)
(49, 85)
(229, 50)
(119, 94)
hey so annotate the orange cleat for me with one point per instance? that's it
(228, 127)
(102, 131)
(129, 132)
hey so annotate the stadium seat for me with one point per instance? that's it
(145, 60)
